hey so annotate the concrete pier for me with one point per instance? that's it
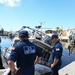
(68, 70)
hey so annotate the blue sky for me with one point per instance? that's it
(52, 13)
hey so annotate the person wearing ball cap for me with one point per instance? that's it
(24, 53)
(55, 58)
(23, 33)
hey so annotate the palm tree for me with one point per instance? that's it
(59, 30)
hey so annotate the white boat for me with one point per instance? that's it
(69, 38)
(42, 68)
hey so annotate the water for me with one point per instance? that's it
(5, 41)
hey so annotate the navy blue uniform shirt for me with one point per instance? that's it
(25, 54)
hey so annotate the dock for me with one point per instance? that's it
(68, 70)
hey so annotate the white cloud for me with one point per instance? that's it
(11, 3)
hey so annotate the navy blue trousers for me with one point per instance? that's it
(54, 71)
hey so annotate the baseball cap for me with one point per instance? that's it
(23, 33)
(54, 36)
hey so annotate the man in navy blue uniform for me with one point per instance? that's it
(25, 54)
(55, 58)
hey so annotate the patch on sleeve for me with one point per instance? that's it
(57, 49)
(13, 48)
